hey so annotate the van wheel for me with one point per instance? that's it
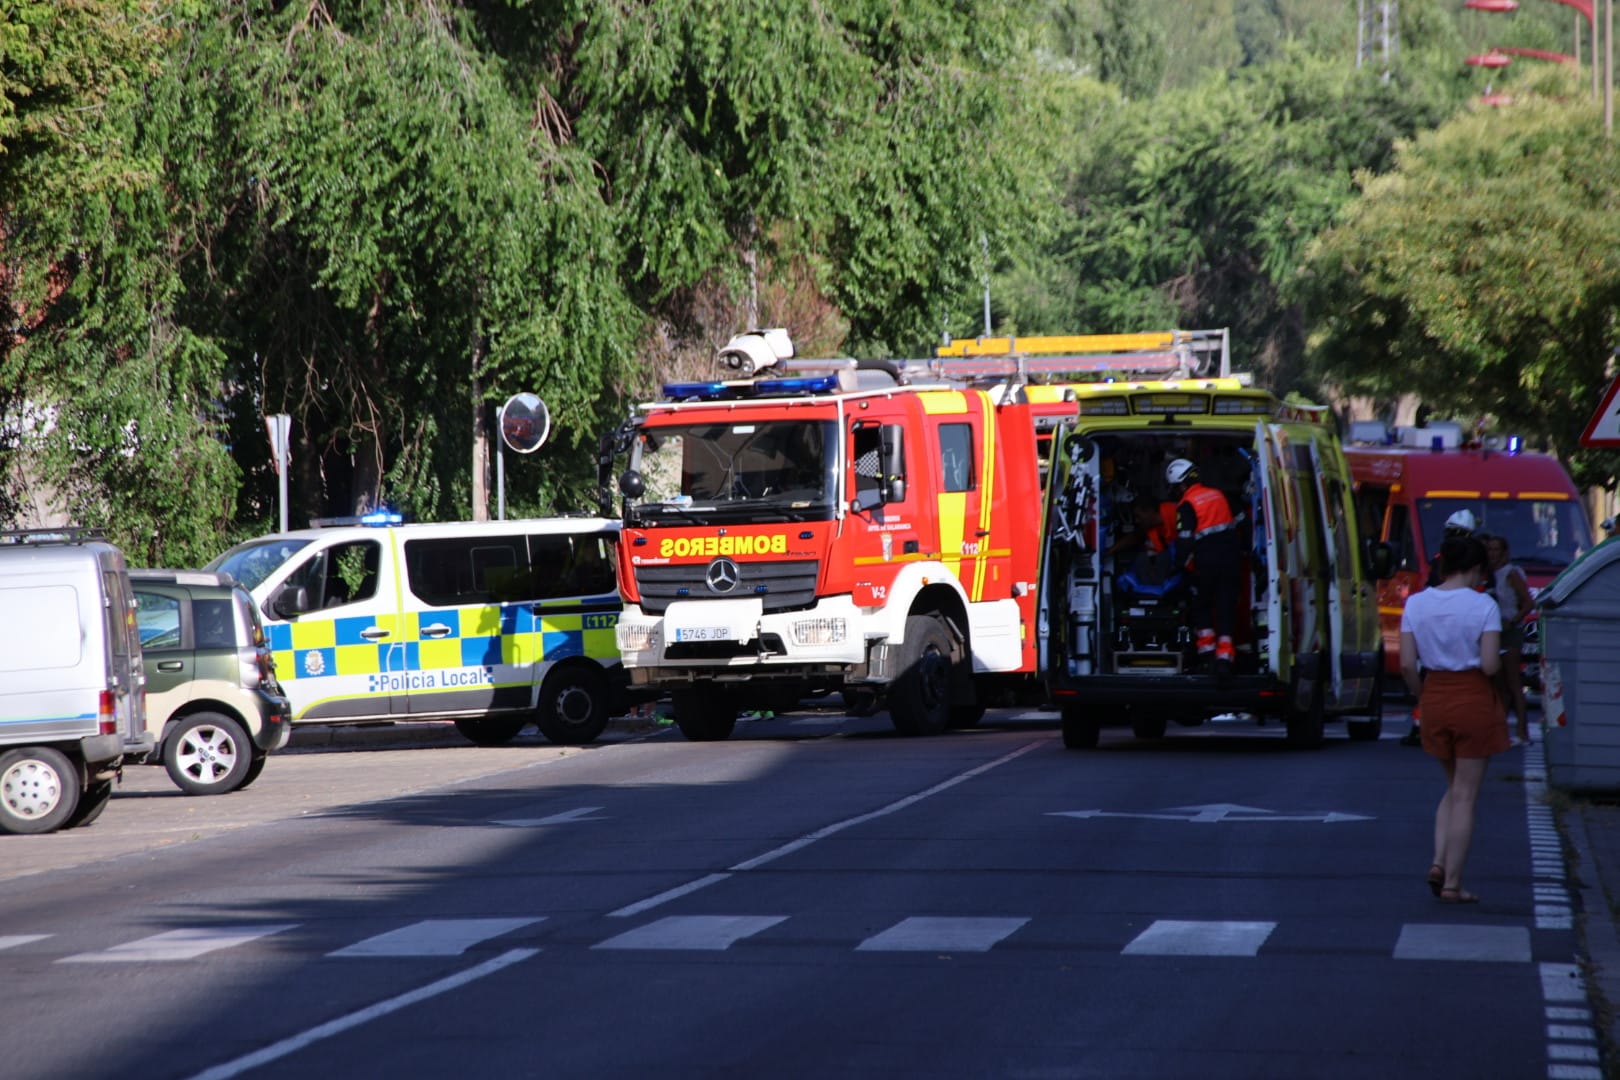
(491, 730)
(573, 706)
(1305, 725)
(208, 754)
(966, 716)
(1144, 726)
(1369, 727)
(91, 804)
(1080, 728)
(705, 715)
(255, 767)
(919, 700)
(39, 790)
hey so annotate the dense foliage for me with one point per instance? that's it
(385, 216)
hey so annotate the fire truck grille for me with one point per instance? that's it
(784, 586)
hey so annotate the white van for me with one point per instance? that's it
(492, 624)
(72, 694)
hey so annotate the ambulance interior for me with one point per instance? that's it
(1129, 581)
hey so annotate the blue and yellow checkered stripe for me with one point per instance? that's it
(482, 636)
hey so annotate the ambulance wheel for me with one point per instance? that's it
(1305, 725)
(1080, 728)
(491, 730)
(39, 790)
(91, 804)
(704, 715)
(573, 705)
(919, 700)
(1369, 727)
(208, 754)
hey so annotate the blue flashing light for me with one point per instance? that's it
(382, 517)
(1514, 444)
(694, 391)
(817, 384)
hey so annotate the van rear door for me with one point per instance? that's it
(1273, 538)
(1339, 570)
(1071, 588)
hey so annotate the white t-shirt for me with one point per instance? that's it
(1507, 597)
(1446, 625)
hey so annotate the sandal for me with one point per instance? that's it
(1437, 878)
(1457, 896)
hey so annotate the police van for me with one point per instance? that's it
(493, 624)
(72, 694)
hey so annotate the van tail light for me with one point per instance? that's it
(107, 714)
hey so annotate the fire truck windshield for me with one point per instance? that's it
(737, 471)
(1539, 532)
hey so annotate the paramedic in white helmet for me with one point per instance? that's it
(1461, 524)
(1207, 543)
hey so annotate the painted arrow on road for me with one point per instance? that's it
(1212, 812)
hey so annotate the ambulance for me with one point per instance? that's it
(494, 625)
(1409, 480)
(1116, 638)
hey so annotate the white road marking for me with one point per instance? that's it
(186, 944)
(11, 941)
(294, 1043)
(1449, 941)
(1215, 812)
(434, 937)
(922, 933)
(822, 833)
(711, 932)
(567, 817)
(1171, 937)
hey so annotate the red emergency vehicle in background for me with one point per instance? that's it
(870, 527)
(1409, 480)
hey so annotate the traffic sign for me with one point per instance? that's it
(1603, 430)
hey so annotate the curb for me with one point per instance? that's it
(1598, 936)
(419, 733)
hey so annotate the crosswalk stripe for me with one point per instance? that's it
(1444, 941)
(1174, 937)
(11, 941)
(923, 933)
(692, 932)
(186, 944)
(434, 937)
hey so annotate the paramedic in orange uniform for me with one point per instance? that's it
(1207, 543)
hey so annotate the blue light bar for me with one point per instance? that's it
(694, 391)
(816, 384)
(382, 517)
(1514, 444)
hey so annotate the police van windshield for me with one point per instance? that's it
(251, 562)
(1549, 533)
(783, 470)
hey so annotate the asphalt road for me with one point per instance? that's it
(815, 897)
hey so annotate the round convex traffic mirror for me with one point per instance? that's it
(525, 423)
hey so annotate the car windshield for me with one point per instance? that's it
(1548, 533)
(251, 562)
(782, 469)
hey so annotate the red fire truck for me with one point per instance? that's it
(871, 527)
(1410, 480)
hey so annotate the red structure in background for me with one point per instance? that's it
(1493, 5)
(1534, 54)
(1492, 59)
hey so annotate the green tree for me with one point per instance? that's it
(1483, 273)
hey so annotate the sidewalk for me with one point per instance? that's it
(1591, 826)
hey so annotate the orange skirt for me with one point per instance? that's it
(1462, 716)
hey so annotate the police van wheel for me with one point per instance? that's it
(208, 754)
(704, 715)
(1080, 728)
(491, 730)
(920, 699)
(573, 706)
(91, 804)
(39, 790)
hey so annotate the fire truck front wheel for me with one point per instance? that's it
(920, 698)
(707, 715)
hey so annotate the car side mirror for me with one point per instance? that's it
(290, 602)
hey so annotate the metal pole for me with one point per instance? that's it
(500, 481)
(281, 480)
(1608, 69)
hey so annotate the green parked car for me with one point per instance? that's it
(213, 705)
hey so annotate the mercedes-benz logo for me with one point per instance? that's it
(722, 576)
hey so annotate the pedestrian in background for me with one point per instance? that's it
(1513, 600)
(1455, 632)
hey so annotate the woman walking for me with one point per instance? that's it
(1513, 600)
(1455, 633)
